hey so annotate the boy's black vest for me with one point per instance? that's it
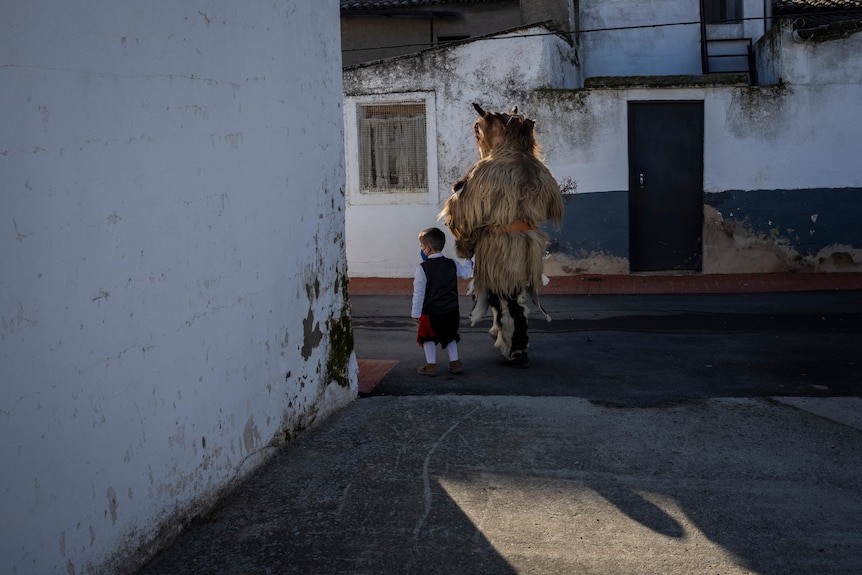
(441, 291)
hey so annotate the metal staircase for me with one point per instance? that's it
(728, 56)
(725, 53)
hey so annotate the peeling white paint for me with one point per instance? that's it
(730, 246)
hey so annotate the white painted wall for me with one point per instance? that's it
(801, 135)
(496, 72)
(624, 38)
(755, 138)
(754, 22)
(172, 252)
(791, 58)
(655, 38)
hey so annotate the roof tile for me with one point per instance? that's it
(784, 6)
(816, 13)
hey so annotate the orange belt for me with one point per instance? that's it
(519, 226)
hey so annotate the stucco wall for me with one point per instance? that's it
(660, 37)
(497, 72)
(172, 291)
(761, 142)
(756, 137)
(778, 175)
(647, 39)
(814, 57)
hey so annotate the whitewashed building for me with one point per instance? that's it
(684, 141)
(172, 264)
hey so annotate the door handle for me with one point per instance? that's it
(641, 180)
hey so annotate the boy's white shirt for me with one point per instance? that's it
(464, 270)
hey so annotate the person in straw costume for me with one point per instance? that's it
(494, 213)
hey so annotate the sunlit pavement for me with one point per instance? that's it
(678, 435)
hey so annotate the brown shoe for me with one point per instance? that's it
(455, 366)
(428, 369)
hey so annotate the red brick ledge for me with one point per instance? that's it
(650, 284)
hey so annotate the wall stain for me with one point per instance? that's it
(312, 333)
(250, 435)
(312, 290)
(112, 504)
(9, 326)
(18, 235)
(234, 140)
(759, 109)
(562, 264)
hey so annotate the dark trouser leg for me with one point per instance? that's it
(510, 324)
(520, 340)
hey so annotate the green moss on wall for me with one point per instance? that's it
(340, 332)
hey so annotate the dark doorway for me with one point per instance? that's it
(665, 186)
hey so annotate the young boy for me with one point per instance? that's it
(435, 301)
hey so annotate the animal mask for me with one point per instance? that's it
(494, 129)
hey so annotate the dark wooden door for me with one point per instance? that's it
(665, 185)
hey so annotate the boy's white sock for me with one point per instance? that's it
(452, 350)
(430, 351)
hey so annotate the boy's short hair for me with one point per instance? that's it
(434, 238)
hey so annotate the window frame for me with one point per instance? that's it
(351, 150)
(724, 18)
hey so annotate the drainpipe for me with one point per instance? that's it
(704, 57)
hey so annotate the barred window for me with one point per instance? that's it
(392, 147)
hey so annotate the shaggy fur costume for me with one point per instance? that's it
(494, 214)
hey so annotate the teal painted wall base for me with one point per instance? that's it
(804, 223)
(809, 220)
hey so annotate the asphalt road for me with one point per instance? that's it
(641, 350)
(668, 442)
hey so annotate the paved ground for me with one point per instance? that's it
(698, 433)
(630, 350)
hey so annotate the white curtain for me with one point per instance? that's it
(393, 153)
